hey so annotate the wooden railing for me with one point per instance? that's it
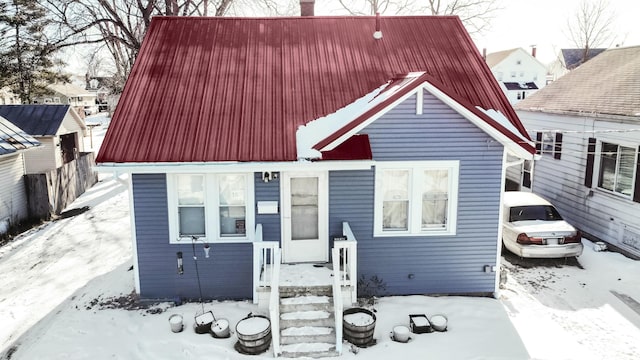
(346, 270)
(337, 298)
(274, 304)
(264, 253)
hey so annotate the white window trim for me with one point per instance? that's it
(415, 207)
(598, 164)
(211, 208)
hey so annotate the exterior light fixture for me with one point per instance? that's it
(206, 250)
(180, 267)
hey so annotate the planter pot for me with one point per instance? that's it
(439, 322)
(358, 326)
(203, 322)
(220, 329)
(254, 334)
(400, 333)
(175, 321)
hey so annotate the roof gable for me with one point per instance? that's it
(607, 84)
(36, 120)
(240, 91)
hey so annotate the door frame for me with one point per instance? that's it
(288, 255)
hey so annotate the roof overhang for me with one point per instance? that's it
(490, 121)
(227, 167)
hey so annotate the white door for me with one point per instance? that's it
(304, 217)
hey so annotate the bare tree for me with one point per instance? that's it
(476, 15)
(120, 25)
(591, 26)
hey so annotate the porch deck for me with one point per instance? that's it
(306, 275)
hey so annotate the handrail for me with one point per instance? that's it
(348, 260)
(337, 298)
(274, 303)
(263, 257)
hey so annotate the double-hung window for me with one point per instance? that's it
(416, 198)
(617, 168)
(211, 207)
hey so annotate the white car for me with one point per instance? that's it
(532, 227)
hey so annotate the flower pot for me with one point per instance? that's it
(254, 335)
(220, 329)
(401, 333)
(175, 321)
(358, 326)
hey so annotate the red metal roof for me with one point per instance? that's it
(236, 89)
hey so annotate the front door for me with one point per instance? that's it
(304, 217)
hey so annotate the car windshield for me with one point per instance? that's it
(534, 212)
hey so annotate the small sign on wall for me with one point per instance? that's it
(267, 207)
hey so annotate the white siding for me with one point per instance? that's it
(596, 211)
(42, 158)
(13, 198)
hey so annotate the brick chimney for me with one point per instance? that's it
(484, 54)
(533, 50)
(306, 7)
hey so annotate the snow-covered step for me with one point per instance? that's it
(312, 350)
(307, 334)
(293, 291)
(306, 303)
(306, 318)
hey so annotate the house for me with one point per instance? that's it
(60, 158)
(8, 97)
(83, 101)
(59, 129)
(13, 197)
(587, 127)
(569, 59)
(101, 87)
(296, 133)
(519, 73)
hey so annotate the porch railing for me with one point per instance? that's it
(347, 256)
(274, 304)
(264, 253)
(337, 298)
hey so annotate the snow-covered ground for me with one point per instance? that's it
(66, 294)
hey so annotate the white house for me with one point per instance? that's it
(13, 197)
(519, 73)
(7, 97)
(587, 127)
(69, 94)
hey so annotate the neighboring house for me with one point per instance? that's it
(83, 101)
(569, 59)
(587, 126)
(98, 85)
(293, 132)
(56, 127)
(519, 73)
(7, 97)
(13, 197)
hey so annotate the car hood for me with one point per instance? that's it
(540, 227)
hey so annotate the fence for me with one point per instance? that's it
(49, 193)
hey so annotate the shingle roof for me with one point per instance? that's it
(13, 139)
(495, 58)
(69, 90)
(36, 120)
(520, 86)
(237, 89)
(606, 84)
(573, 57)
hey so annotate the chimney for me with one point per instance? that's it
(533, 50)
(484, 54)
(306, 7)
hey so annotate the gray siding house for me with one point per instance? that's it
(316, 141)
(586, 125)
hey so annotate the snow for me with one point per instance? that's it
(252, 326)
(305, 315)
(359, 319)
(66, 294)
(305, 300)
(420, 321)
(306, 330)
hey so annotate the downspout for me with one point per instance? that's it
(496, 292)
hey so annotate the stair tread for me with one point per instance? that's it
(307, 331)
(309, 299)
(305, 315)
(308, 347)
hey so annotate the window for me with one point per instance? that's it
(213, 207)
(499, 75)
(617, 168)
(521, 73)
(513, 74)
(416, 198)
(549, 143)
(527, 167)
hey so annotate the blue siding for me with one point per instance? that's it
(226, 274)
(440, 264)
(268, 192)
